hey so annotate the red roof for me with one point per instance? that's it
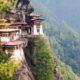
(7, 24)
(2, 43)
(11, 43)
(18, 23)
(9, 30)
(22, 27)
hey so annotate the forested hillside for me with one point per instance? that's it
(42, 54)
(65, 41)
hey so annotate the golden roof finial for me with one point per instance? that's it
(3, 20)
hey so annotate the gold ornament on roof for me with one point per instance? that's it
(3, 24)
(12, 20)
(3, 20)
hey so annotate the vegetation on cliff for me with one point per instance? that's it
(64, 40)
(7, 66)
(45, 62)
(5, 5)
(42, 60)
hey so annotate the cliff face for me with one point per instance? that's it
(24, 73)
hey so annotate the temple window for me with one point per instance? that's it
(4, 48)
(4, 35)
(17, 34)
(16, 47)
(10, 48)
(38, 30)
(0, 34)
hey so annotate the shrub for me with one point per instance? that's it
(7, 70)
(7, 67)
(3, 56)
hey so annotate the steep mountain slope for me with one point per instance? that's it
(64, 40)
(46, 65)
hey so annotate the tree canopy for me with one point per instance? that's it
(7, 4)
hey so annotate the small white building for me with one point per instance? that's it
(9, 34)
(15, 48)
(9, 40)
(38, 27)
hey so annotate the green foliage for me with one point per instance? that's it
(6, 4)
(7, 67)
(3, 56)
(3, 5)
(64, 40)
(66, 45)
(7, 70)
(43, 60)
(13, 4)
(67, 72)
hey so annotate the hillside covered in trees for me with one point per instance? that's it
(46, 63)
(64, 41)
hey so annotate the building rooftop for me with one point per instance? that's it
(37, 19)
(35, 15)
(11, 43)
(9, 30)
(4, 24)
(18, 23)
(3, 20)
